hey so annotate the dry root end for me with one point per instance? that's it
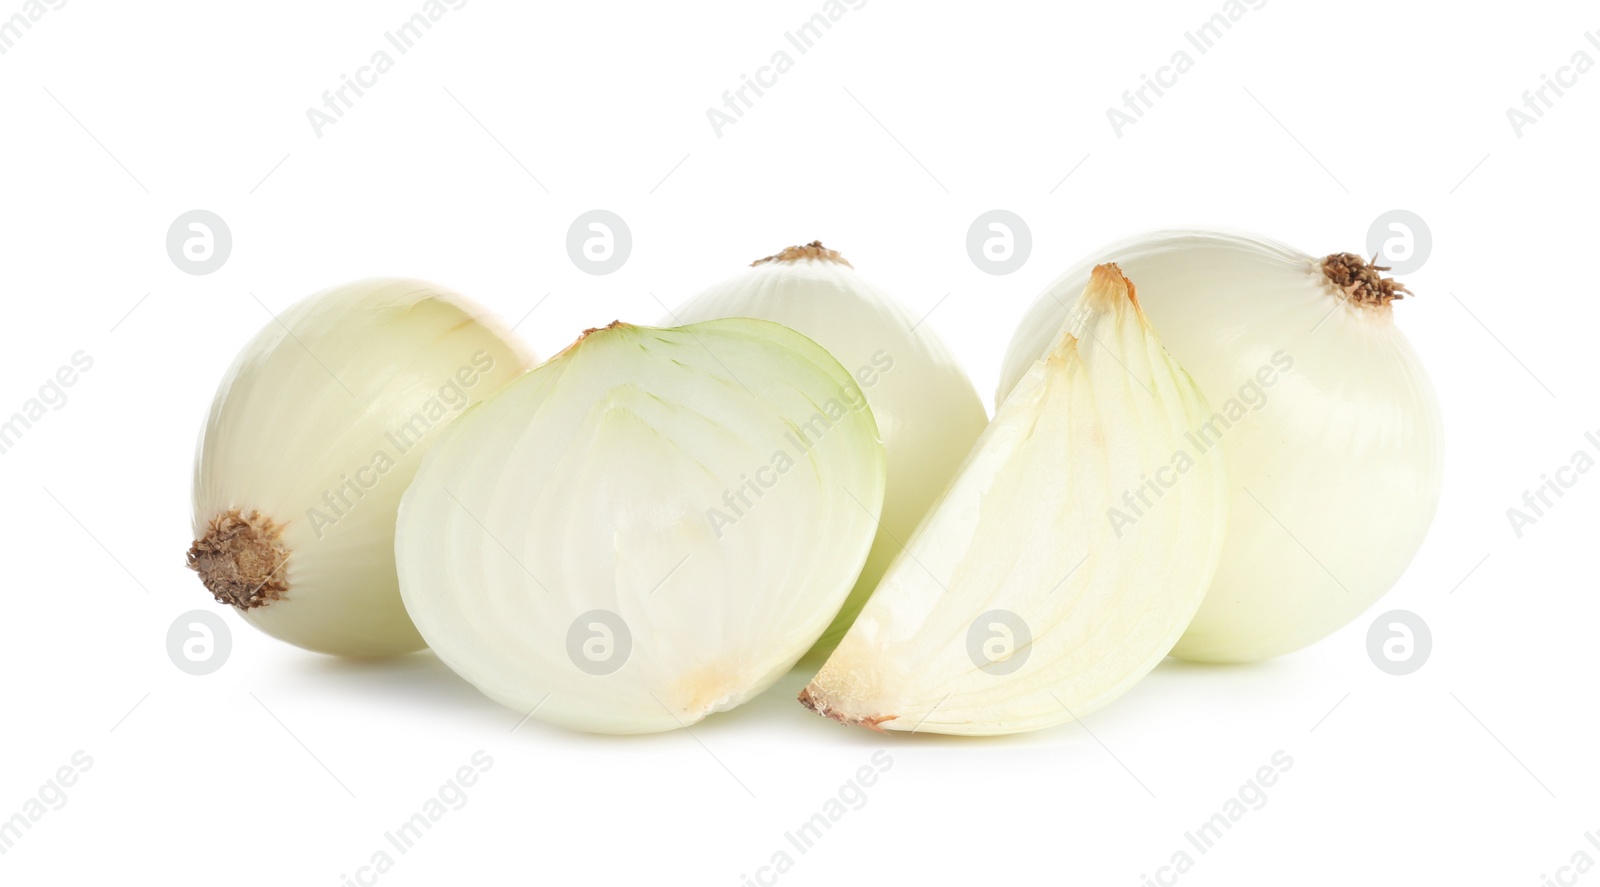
(821, 708)
(1360, 281)
(812, 250)
(240, 560)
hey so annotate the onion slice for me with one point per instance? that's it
(1023, 600)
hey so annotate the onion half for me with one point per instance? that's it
(651, 527)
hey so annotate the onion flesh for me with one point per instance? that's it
(1019, 603)
(649, 528)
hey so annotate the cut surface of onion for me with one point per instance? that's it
(1328, 419)
(651, 527)
(1023, 601)
(926, 409)
(313, 436)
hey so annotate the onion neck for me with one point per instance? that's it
(812, 250)
(240, 559)
(1360, 280)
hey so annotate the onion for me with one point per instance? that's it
(1017, 605)
(926, 408)
(1330, 425)
(313, 435)
(651, 527)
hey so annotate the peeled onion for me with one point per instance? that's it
(314, 434)
(1329, 422)
(925, 406)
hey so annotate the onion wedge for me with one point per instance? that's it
(1066, 557)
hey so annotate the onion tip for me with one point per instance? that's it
(1360, 281)
(812, 250)
(1109, 283)
(613, 325)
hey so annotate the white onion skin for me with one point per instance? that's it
(927, 411)
(283, 430)
(1335, 479)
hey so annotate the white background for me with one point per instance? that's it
(466, 163)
